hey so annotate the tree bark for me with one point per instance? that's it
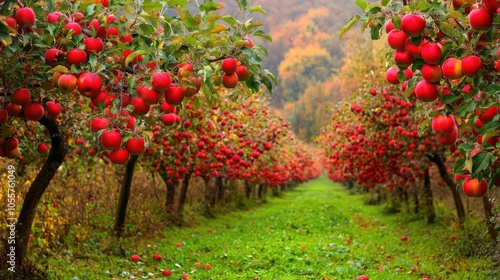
(260, 188)
(58, 151)
(221, 189)
(430, 212)
(436, 159)
(171, 185)
(488, 211)
(415, 198)
(206, 201)
(121, 212)
(248, 189)
(183, 194)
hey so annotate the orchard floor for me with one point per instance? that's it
(317, 231)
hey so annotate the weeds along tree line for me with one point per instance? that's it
(435, 111)
(91, 91)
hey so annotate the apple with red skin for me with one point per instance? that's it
(452, 68)
(471, 65)
(55, 16)
(135, 258)
(362, 277)
(174, 95)
(448, 140)
(486, 115)
(185, 70)
(229, 80)
(53, 109)
(414, 50)
(168, 119)
(25, 17)
(166, 272)
(98, 124)
(136, 145)
(185, 276)
(111, 140)
(403, 59)
(480, 19)
(191, 85)
(4, 116)
(165, 107)
(136, 58)
(413, 24)
(140, 107)
(397, 39)
(33, 111)
(13, 109)
(473, 188)
(443, 124)
(178, 245)
(249, 42)
(75, 27)
(431, 73)
(389, 26)
(11, 22)
(76, 57)
(426, 91)
(11, 143)
(243, 73)
(52, 56)
(229, 65)
(67, 83)
(161, 81)
(491, 5)
(93, 45)
(391, 75)
(431, 53)
(457, 4)
(21, 96)
(404, 238)
(42, 148)
(89, 84)
(150, 96)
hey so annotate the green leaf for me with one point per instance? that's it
(466, 107)
(397, 22)
(375, 32)
(385, 2)
(262, 34)
(492, 89)
(243, 5)
(90, 9)
(348, 26)
(450, 98)
(489, 127)
(458, 166)
(270, 75)
(5, 38)
(424, 125)
(92, 61)
(424, 5)
(267, 82)
(257, 9)
(481, 161)
(362, 4)
(229, 19)
(147, 29)
(131, 56)
(173, 3)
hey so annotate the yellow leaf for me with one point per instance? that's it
(219, 6)
(219, 28)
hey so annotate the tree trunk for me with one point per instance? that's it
(206, 201)
(56, 156)
(436, 158)
(221, 189)
(428, 198)
(490, 223)
(415, 198)
(171, 185)
(248, 189)
(260, 188)
(183, 194)
(121, 212)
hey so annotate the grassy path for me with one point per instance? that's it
(318, 231)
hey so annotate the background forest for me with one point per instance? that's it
(315, 69)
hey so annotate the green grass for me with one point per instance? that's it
(265, 243)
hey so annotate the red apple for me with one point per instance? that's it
(229, 80)
(414, 50)
(93, 45)
(191, 85)
(242, 72)
(140, 107)
(165, 107)
(480, 19)
(33, 111)
(53, 109)
(486, 115)
(391, 75)
(4, 116)
(229, 65)
(413, 24)
(135, 145)
(404, 238)
(55, 16)
(161, 81)
(444, 125)
(42, 148)
(452, 68)
(11, 22)
(448, 140)
(362, 277)
(397, 39)
(135, 258)
(389, 26)
(150, 96)
(76, 57)
(11, 143)
(471, 65)
(403, 59)
(431, 53)
(473, 188)
(174, 95)
(67, 83)
(21, 96)
(157, 257)
(52, 56)
(166, 272)
(111, 140)
(168, 119)
(13, 109)
(491, 5)
(89, 84)
(73, 26)
(25, 17)
(98, 124)
(431, 73)
(426, 91)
